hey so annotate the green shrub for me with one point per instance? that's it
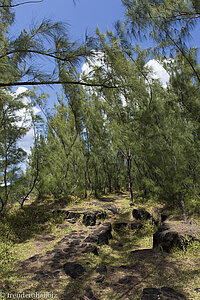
(6, 253)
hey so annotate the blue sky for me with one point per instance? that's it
(86, 15)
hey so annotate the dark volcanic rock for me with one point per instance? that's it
(164, 217)
(90, 249)
(119, 225)
(70, 215)
(89, 219)
(34, 258)
(141, 214)
(172, 294)
(135, 225)
(92, 238)
(40, 275)
(112, 208)
(101, 269)
(125, 280)
(104, 233)
(89, 294)
(74, 270)
(73, 215)
(171, 235)
(58, 256)
(101, 235)
(100, 214)
(165, 293)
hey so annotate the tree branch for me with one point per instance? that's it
(184, 16)
(22, 3)
(49, 82)
(52, 55)
(185, 56)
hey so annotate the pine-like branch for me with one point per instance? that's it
(48, 82)
(52, 55)
(22, 3)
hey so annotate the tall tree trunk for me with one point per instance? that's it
(109, 184)
(34, 181)
(184, 211)
(2, 205)
(95, 183)
(87, 175)
(117, 170)
(85, 184)
(5, 179)
(129, 178)
(105, 181)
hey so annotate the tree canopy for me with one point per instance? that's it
(116, 127)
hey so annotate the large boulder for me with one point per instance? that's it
(101, 235)
(165, 293)
(133, 225)
(88, 294)
(104, 233)
(90, 217)
(67, 214)
(117, 226)
(175, 235)
(142, 214)
(90, 249)
(74, 270)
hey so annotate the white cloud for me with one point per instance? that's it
(97, 60)
(158, 72)
(27, 141)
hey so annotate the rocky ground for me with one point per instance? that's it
(110, 251)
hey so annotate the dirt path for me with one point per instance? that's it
(112, 259)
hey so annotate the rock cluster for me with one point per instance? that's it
(68, 249)
(174, 235)
(142, 214)
(165, 293)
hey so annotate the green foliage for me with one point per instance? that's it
(138, 135)
(6, 255)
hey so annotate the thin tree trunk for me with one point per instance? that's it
(105, 181)
(184, 211)
(5, 175)
(34, 181)
(129, 178)
(85, 185)
(91, 185)
(117, 170)
(5, 188)
(95, 183)
(109, 184)
(2, 205)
